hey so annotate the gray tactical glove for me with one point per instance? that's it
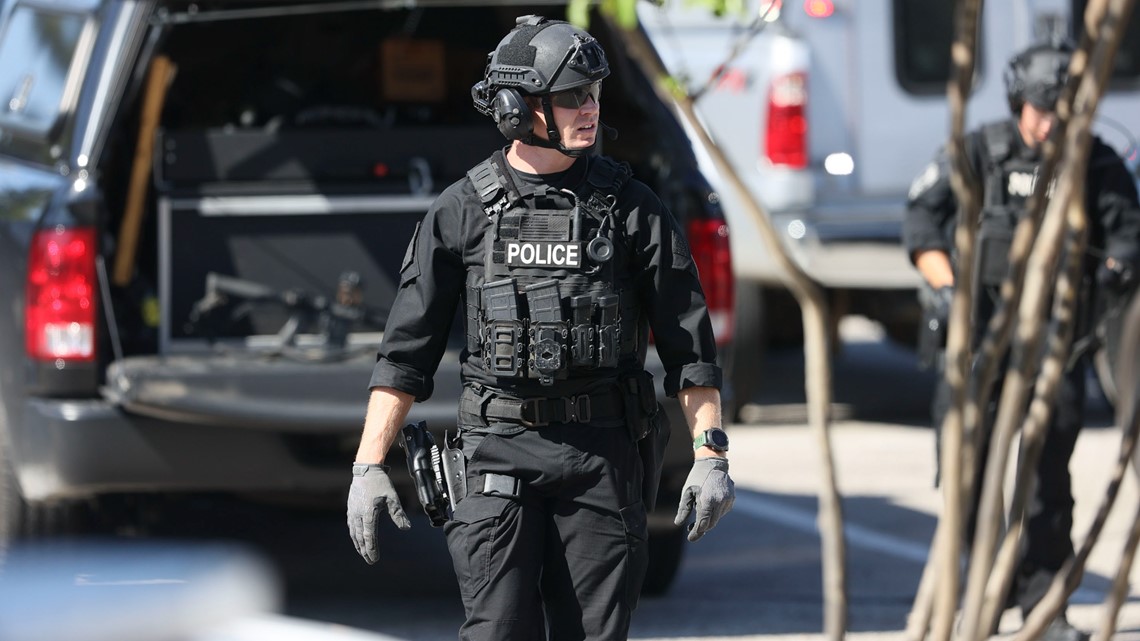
(371, 491)
(710, 490)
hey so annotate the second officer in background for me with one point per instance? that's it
(1006, 156)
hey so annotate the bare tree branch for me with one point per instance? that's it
(817, 359)
(1035, 428)
(968, 195)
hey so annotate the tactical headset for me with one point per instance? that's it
(537, 58)
(512, 115)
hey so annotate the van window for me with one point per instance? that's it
(1126, 65)
(923, 31)
(42, 51)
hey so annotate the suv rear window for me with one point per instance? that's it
(923, 32)
(42, 54)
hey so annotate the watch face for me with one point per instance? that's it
(718, 439)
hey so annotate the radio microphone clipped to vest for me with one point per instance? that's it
(600, 249)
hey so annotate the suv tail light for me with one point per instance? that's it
(59, 318)
(786, 138)
(708, 241)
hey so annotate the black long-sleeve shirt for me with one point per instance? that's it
(447, 253)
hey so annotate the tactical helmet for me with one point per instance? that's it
(538, 57)
(1037, 76)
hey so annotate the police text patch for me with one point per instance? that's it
(544, 254)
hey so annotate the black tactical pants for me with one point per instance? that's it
(1047, 541)
(564, 558)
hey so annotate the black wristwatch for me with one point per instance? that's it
(714, 438)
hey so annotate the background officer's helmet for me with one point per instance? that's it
(1037, 76)
(538, 57)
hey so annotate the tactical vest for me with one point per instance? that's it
(1009, 182)
(554, 298)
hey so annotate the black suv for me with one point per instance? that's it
(203, 209)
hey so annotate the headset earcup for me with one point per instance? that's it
(511, 114)
(1014, 90)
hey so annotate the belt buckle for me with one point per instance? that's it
(535, 404)
(578, 408)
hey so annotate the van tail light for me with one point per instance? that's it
(59, 317)
(708, 241)
(786, 138)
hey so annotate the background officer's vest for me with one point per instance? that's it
(552, 298)
(1009, 181)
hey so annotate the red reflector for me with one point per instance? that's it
(819, 8)
(786, 137)
(59, 315)
(708, 241)
(380, 170)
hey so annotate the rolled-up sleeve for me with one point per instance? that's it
(671, 295)
(431, 284)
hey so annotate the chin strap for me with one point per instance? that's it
(551, 131)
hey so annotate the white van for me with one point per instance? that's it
(828, 114)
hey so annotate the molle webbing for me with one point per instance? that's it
(548, 310)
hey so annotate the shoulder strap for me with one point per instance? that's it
(997, 144)
(607, 174)
(492, 185)
(606, 178)
(998, 140)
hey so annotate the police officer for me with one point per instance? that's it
(1006, 155)
(563, 263)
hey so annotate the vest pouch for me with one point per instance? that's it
(994, 241)
(504, 337)
(548, 332)
(609, 330)
(582, 331)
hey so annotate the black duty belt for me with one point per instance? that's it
(537, 412)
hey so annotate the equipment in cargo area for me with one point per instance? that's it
(229, 300)
(294, 209)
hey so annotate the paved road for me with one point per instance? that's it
(757, 575)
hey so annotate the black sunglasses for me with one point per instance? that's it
(576, 97)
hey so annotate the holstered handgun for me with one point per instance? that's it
(426, 467)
